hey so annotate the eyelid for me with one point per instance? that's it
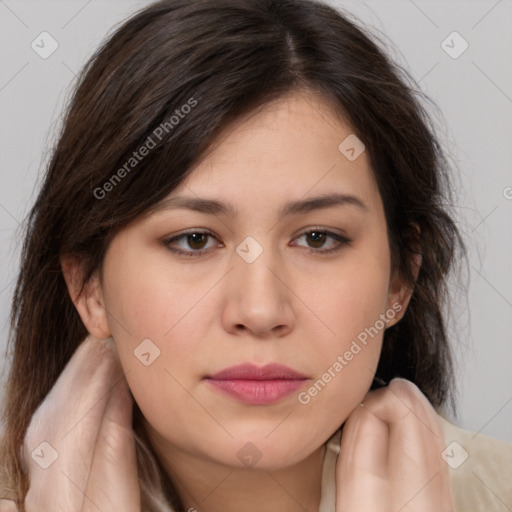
(168, 240)
(342, 239)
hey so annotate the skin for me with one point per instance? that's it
(292, 305)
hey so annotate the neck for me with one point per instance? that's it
(207, 486)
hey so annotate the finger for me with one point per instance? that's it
(113, 483)
(411, 419)
(59, 443)
(419, 480)
(361, 468)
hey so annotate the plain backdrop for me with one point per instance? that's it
(473, 91)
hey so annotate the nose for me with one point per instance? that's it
(259, 299)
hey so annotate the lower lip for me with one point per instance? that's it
(258, 392)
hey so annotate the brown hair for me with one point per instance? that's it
(229, 57)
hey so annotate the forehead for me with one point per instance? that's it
(293, 146)
(290, 150)
(298, 124)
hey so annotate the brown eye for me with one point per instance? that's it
(197, 240)
(193, 243)
(318, 238)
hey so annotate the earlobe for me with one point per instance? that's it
(398, 299)
(416, 264)
(89, 303)
(400, 293)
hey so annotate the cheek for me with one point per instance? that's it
(346, 365)
(155, 318)
(151, 300)
(353, 315)
(347, 300)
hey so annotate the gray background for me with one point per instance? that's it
(473, 91)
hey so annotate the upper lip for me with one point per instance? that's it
(248, 371)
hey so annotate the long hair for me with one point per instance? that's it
(178, 72)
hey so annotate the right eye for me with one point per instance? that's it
(194, 239)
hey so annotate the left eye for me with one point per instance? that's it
(318, 237)
(197, 241)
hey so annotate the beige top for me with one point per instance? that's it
(480, 470)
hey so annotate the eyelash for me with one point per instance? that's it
(342, 240)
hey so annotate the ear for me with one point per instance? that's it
(400, 292)
(90, 303)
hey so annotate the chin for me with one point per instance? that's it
(264, 451)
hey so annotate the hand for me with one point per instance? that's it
(390, 457)
(86, 421)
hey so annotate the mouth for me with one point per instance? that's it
(255, 385)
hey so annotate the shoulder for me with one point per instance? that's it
(480, 469)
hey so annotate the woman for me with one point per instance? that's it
(242, 237)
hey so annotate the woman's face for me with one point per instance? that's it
(252, 286)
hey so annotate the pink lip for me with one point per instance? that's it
(257, 385)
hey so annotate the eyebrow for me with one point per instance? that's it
(214, 207)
